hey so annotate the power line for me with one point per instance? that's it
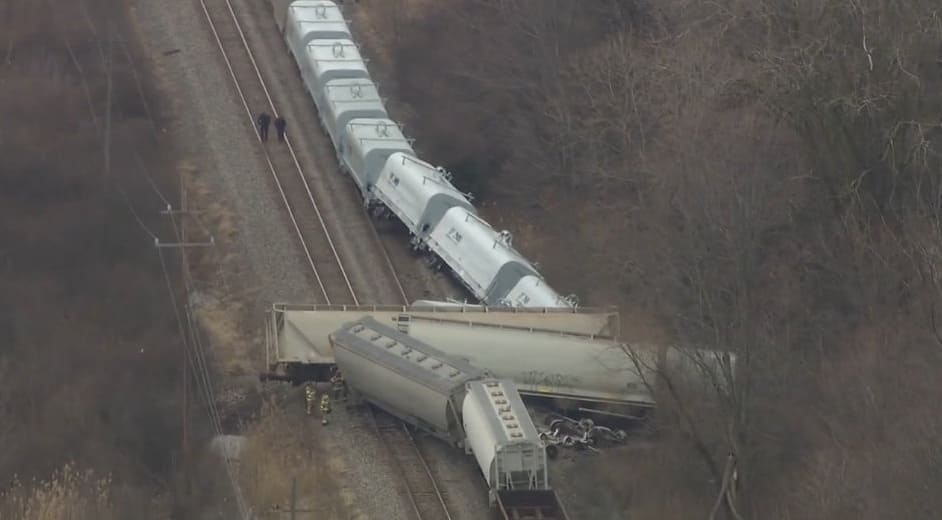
(201, 373)
(201, 366)
(192, 348)
(127, 202)
(144, 170)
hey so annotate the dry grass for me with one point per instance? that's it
(283, 447)
(69, 494)
(224, 309)
(90, 364)
(236, 355)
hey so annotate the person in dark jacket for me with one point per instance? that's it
(263, 121)
(280, 125)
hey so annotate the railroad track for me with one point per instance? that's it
(326, 265)
(293, 188)
(425, 497)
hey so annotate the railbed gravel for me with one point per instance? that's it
(212, 130)
(336, 195)
(216, 135)
(339, 203)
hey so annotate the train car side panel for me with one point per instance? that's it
(502, 436)
(408, 378)
(417, 193)
(308, 20)
(346, 100)
(326, 60)
(365, 146)
(478, 255)
(533, 291)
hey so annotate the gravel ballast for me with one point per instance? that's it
(212, 130)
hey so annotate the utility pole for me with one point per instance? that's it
(181, 243)
(294, 495)
(185, 274)
(108, 74)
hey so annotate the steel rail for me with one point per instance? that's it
(397, 432)
(386, 258)
(276, 175)
(439, 509)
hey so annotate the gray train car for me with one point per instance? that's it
(568, 356)
(309, 20)
(502, 437)
(417, 193)
(327, 60)
(407, 378)
(296, 336)
(365, 146)
(453, 401)
(346, 100)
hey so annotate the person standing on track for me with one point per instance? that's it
(280, 126)
(263, 121)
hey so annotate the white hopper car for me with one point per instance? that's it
(346, 100)
(373, 151)
(500, 435)
(309, 20)
(417, 193)
(451, 400)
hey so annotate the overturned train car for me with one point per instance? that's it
(451, 400)
(569, 357)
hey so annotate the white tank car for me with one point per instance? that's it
(483, 259)
(502, 437)
(346, 100)
(364, 147)
(417, 193)
(308, 20)
(533, 291)
(405, 377)
(326, 60)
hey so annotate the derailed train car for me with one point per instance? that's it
(451, 400)
(407, 378)
(569, 356)
(365, 146)
(501, 436)
(573, 369)
(417, 193)
(482, 258)
(365, 140)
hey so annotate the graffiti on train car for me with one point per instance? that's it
(545, 382)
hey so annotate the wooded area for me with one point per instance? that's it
(763, 178)
(90, 356)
